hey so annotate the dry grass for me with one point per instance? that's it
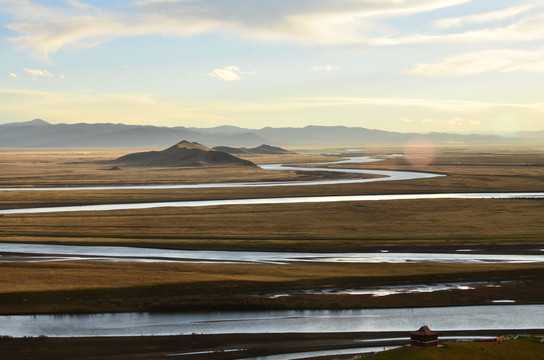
(113, 287)
(492, 169)
(52, 276)
(348, 226)
(82, 168)
(327, 226)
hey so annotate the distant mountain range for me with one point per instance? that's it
(41, 134)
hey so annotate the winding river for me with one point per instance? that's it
(381, 175)
(506, 317)
(377, 175)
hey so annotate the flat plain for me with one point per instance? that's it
(436, 225)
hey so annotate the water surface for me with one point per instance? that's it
(36, 252)
(508, 317)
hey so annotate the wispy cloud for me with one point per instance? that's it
(485, 18)
(229, 73)
(13, 75)
(38, 72)
(501, 60)
(527, 29)
(309, 22)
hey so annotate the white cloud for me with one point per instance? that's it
(324, 68)
(526, 29)
(230, 73)
(499, 60)
(37, 72)
(224, 75)
(13, 75)
(308, 22)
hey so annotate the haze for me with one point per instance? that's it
(410, 66)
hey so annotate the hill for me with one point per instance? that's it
(263, 149)
(185, 153)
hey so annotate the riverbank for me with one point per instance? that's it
(209, 347)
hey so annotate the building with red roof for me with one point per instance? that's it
(424, 337)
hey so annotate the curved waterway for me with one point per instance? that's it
(280, 200)
(378, 175)
(44, 252)
(508, 317)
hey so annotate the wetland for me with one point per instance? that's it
(331, 235)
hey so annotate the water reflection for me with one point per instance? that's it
(44, 252)
(267, 201)
(406, 289)
(508, 317)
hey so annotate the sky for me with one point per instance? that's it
(461, 66)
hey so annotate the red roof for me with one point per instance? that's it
(424, 330)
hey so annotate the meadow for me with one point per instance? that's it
(438, 225)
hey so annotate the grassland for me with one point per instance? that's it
(348, 226)
(526, 348)
(105, 287)
(419, 225)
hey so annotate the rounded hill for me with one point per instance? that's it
(184, 153)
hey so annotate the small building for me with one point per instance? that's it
(424, 337)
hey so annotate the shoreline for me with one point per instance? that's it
(214, 347)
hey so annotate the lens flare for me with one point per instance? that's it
(419, 152)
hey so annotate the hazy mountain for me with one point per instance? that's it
(185, 153)
(39, 133)
(263, 149)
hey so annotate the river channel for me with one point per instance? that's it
(377, 175)
(135, 324)
(380, 175)
(44, 252)
(508, 317)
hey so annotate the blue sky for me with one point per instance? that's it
(400, 65)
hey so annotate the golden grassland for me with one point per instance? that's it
(106, 287)
(44, 276)
(346, 226)
(419, 225)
